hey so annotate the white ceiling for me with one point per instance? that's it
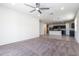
(58, 15)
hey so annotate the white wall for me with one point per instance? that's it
(16, 26)
(77, 27)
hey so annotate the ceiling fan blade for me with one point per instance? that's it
(32, 11)
(39, 11)
(37, 5)
(28, 5)
(44, 8)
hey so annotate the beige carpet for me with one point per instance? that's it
(42, 46)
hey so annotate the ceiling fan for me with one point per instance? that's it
(36, 8)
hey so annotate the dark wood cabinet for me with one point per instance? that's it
(72, 33)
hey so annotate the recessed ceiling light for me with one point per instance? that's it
(13, 3)
(62, 8)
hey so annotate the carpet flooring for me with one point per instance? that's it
(42, 46)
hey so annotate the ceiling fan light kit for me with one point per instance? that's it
(36, 8)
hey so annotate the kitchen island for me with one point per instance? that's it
(55, 32)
